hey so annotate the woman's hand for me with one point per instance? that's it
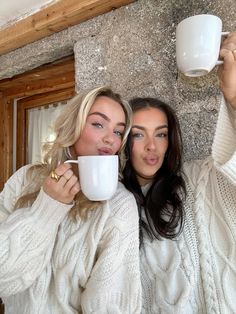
(65, 189)
(227, 72)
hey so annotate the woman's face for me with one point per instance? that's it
(103, 130)
(150, 142)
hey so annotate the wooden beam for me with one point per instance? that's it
(2, 134)
(47, 70)
(6, 127)
(51, 77)
(42, 86)
(46, 98)
(54, 18)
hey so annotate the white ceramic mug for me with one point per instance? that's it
(198, 40)
(98, 176)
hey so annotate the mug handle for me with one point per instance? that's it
(219, 62)
(71, 161)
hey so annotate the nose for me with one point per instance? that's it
(150, 145)
(108, 138)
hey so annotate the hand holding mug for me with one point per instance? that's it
(62, 184)
(98, 176)
(227, 72)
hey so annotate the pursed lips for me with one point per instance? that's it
(105, 151)
(151, 160)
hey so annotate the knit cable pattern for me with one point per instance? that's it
(205, 259)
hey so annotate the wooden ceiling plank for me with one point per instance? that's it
(80, 10)
(54, 18)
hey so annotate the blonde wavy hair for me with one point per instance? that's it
(68, 127)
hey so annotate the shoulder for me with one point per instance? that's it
(13, 189)
(122, 195)
(18, 178)
(197, 169)
(123, 203)
(192, 165)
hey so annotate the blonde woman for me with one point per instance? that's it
(60, 252)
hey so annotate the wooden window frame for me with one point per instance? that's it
(47, 84)
(22, 123)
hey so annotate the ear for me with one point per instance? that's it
(70, 152)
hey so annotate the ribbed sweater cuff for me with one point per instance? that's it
(48, 211)
(229, 169)
(113, 303)
(224, 145)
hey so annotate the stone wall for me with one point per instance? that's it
(132, 49)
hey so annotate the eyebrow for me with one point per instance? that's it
(105, 117)
(164, 126)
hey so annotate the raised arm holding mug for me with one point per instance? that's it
(187, 218)
(61, 252)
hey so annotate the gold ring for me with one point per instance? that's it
(54, 175)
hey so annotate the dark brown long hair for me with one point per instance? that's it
(163, 204)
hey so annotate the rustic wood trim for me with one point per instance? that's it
(2, 163)
(20, 142)
(32, 84)
(46, 98)
(9, 137)
(22, 118)
(1, 307)
(57, 75)
(6, 143)
(43, 87)
(52, 19)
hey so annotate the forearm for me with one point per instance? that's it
(224, 145)
(27, 238)
(114, 284)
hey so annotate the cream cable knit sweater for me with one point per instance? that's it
(197, 272)
(52, 265)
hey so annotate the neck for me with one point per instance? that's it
(143, 180)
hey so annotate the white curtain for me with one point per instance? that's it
(40, 129)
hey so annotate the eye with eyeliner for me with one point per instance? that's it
(137, 135)
(97, 125)
(119, 133)
(162, 134)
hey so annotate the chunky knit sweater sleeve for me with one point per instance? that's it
(213, 183)
(27, 235)
(224, 145)
(114, 285)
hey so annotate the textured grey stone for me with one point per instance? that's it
(132, 49)
(197, 133)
